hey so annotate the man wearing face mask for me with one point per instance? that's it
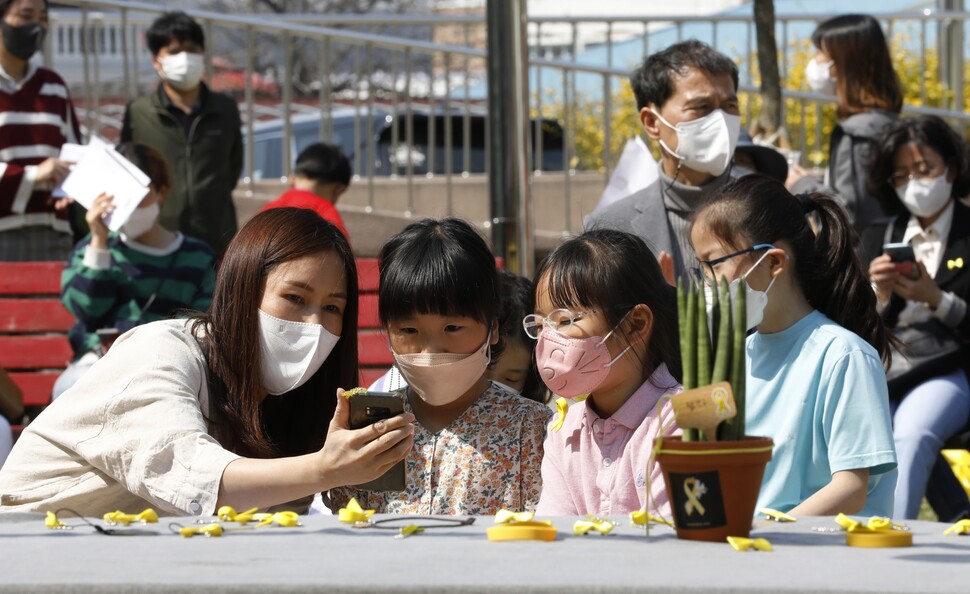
(36, 118)
(687, 100)
(197, 130)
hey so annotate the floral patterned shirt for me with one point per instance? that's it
(487, 459)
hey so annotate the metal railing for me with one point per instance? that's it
(361, 67)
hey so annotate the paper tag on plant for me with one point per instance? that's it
(704, 408)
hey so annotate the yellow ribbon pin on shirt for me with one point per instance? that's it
(951, 264)
(562, 407)
(354, 513)
(961, 527)
(743, 544)
(600, 525)
(505, 516)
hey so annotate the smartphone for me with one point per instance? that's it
(905, 259)
(366, 409)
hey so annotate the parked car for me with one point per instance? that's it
(353, 130)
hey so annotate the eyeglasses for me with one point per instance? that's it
(924, 171)
(700, 273)
(559, 320)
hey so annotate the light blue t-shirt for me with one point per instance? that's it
(819, 391)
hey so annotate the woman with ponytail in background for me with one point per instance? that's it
(815, 382)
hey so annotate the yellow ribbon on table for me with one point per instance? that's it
(354, 513)
(778, 516)
(227, 514)
(505, 516)
(961, 527)
(118, 517)
(207, 530)
(951, 264)
(408, 530)
(743, 544)
(640, 518)
(286, 519)
(876, 523)
(53, 523)
(601, 525)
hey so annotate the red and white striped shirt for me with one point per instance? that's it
(36, 118)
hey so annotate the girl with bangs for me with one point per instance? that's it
(606, 324)
(477, 445)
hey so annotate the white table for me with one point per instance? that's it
(327, 556)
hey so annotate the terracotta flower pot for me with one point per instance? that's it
(713, 486)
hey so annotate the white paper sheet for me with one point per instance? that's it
(99, 168)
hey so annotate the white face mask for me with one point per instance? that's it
(819, 77)
(291, 352)
(182, 70)
(756, 300)
(706, 144)
(140, 221)
(926, 197)
(442, 378)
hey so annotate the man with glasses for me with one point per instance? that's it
(688, 103)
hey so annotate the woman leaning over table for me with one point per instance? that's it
(922, 169)
(228, 407)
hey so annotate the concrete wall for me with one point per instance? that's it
(375, 213)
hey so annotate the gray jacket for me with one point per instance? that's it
(660, 215)
(852, 150)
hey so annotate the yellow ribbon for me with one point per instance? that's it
(54, 524)
(877, 523)
(693, 488)
(774, 514)
(348, 394)
(228, 514)
(562, 407)
(505, 516)
(118, 517)
(354, 513)
(640, 518)
(286, 519)
(743, 544)
(720, 398)
(951, 264)
(600, 525)
(207, 530)
(961, 527)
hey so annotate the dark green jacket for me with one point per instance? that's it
(203, 164)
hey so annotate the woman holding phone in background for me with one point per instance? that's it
(921, 171)
(228, 407)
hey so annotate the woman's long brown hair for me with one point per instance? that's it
(296, 422)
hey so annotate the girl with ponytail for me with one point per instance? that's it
(815, 384)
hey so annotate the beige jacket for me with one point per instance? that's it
(130, 434)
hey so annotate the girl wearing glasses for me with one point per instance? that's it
(815, 381)
(606, 323)
(477, 445)
(921, 171)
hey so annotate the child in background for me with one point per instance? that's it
(815, 382)
(477, 446)
(141, 274)
(516, 368)
(606, 324)
(320, 177)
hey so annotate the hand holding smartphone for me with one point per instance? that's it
(905, 259)
(366, 409)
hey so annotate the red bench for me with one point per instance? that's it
(33, 328)
(373, 354)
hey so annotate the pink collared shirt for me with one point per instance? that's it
(599, 466)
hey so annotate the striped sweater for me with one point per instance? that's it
(134, 285)
(36, 118)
